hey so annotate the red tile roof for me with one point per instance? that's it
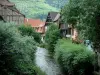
(35, 22)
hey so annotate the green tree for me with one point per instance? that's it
(84, 15)
(29, 31)
(16, 52)
(57, 3)
(51, 37)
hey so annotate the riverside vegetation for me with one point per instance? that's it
(85, 16)
(74, 59)
(17, 52)
(51, 37)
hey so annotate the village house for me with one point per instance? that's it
(37, 24)
(52, 17)
(9, 13)
(65, 29)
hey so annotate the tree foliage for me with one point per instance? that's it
(16, 52)
(57, 3)
(51, 37)
(85, 16)
(74, 59)
(29, 31)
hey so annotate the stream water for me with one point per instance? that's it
(46, 64)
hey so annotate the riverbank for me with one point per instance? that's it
(74, 59)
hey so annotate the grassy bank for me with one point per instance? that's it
(74, 59)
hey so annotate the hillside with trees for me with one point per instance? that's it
(57, 3)
(37, 8)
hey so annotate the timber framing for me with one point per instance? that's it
(9, 13)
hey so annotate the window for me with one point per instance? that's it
(69, 31)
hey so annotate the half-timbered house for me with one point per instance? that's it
(9, 13)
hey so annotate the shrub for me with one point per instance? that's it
(51, 37)
(16, 52)
(43, 45)
(38, 71)
(74, 59)
(29, 31)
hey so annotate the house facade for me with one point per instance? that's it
(37, 24)
(9, 13)
(66, 30)
(63, 29)
(52, 17)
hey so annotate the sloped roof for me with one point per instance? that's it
(54, 16)
(15, 10)
(6, 3)
(10, 6)
(35, 22)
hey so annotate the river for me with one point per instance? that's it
(46, 64)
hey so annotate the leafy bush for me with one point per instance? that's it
(16, 52)
(51, 37)
(43, 45)
(74, 59)
(29, 31)
(38, 71)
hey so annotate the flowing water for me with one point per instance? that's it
(47, 64)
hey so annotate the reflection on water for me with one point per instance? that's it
(46, 64)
